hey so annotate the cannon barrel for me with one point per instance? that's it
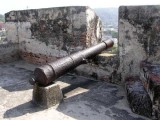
(44, 75)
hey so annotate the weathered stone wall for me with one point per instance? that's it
(48, 34)
(139, 37)
(44, 35)
(9, 52)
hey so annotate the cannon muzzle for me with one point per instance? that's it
(46, 74)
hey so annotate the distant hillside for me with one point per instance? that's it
(109, 16)
(2, 18)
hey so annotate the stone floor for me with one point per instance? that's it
(84, 99)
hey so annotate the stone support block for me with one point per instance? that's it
(48, 96)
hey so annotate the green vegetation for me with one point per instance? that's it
(112, 33)
(114, 49)
(2, 19)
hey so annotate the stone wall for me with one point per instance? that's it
(51, 33)
(9, 52)
(139, 37)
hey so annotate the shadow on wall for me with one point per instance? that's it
(9, 52)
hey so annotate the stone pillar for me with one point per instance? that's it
(139, 34)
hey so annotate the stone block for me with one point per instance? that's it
(48, 96)
(138, 97)
(150, 76)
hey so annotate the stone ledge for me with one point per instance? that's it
(150, 75)
(137, 96)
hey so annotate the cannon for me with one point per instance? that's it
(46, 74)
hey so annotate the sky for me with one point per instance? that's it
(8, 5)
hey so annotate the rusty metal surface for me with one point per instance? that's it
(46, 74)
